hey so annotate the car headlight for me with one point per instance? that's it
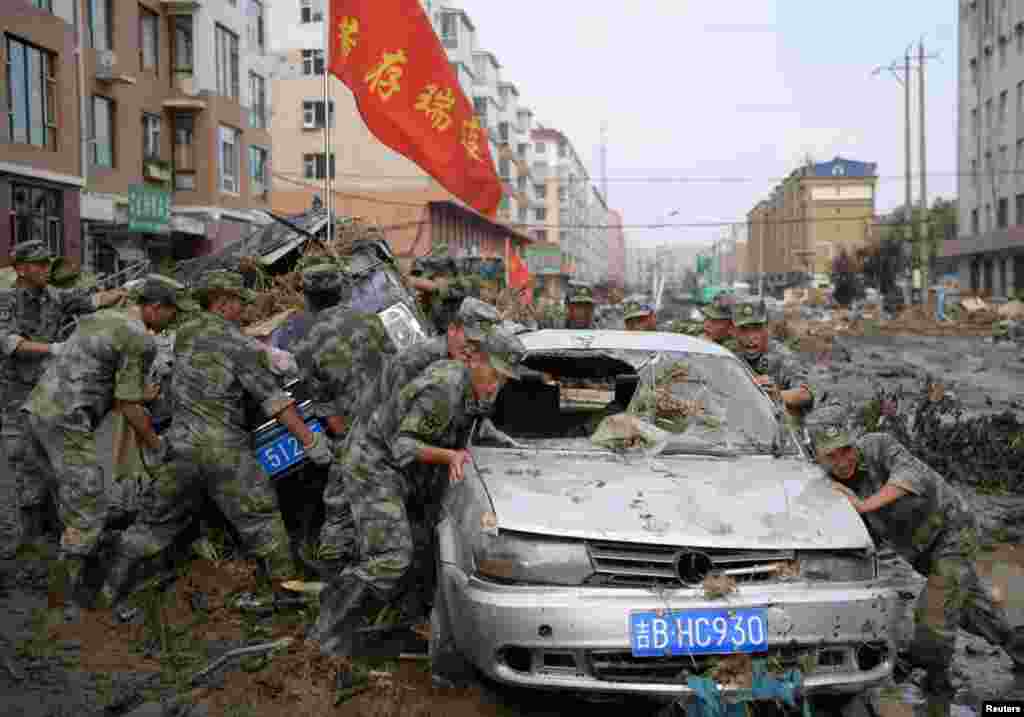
(509, 557)
(838, 567)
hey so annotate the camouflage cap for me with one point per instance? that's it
(321, 278)
(582, 295)
(829, 438)
(225, 280)
(33, 252)
(636, 310)
(720, 309)
(478, 318)
(750, 315)
(505, 352)
(156, 289)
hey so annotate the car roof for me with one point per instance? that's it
(567, 339)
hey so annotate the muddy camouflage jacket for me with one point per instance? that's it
(399, 370)
(215, 366)
(35, 316)
(786, 373)
(341, 353)
(430, 410)
(107, 358)
(913, 523)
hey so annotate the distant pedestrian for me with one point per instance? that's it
(640, 317)
(580, 309)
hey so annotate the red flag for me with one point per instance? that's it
(518, 273)
(408, 94)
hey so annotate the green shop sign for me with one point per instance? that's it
(149, 209)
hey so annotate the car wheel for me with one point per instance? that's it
(447, 665)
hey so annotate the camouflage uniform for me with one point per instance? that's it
(382, 478)
(721, 309)
(215, 367)
(34, 315)
(106, 359)
(582, 295)
(337, 537)
(932, 528)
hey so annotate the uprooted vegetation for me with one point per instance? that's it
(985, 451)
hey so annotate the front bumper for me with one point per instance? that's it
(577, 639)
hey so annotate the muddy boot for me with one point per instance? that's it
(346, 606)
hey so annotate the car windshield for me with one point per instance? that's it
(659, 402)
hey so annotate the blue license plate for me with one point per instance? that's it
(698, 632)
(284, 452)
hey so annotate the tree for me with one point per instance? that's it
(844, 279)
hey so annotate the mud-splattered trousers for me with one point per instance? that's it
(65, 464)
(956, 597)
(232, 478)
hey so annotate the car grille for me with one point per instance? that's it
(630, 564)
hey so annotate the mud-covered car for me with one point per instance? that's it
(576, 562)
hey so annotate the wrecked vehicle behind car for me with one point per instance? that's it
(697, 530)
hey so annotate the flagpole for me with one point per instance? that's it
(328, 180)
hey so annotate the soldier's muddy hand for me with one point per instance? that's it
(456, 471)
(151, 392)
(320, 450)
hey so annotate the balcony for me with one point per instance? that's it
(157, 170)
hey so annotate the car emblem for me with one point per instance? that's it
(583, 341)
(691, 566)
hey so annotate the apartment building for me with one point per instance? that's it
(616, 251)
(370, 179)
(988, 254)
(819, 210)
(162, 126)
(40, 153)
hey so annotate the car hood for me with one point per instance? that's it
(744, 502)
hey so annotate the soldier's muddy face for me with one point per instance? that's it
(841, 463)
(580, 316)
(34, 274)
(457, 348)
(717, 329)
(752, 339)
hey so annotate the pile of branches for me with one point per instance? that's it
(986, 452)
(669, 411)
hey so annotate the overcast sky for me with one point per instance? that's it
(703, 90)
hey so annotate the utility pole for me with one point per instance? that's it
(922, 249)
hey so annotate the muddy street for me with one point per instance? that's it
(52, 664)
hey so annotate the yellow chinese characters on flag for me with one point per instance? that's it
(386, 53)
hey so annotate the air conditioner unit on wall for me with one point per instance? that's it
(105, 61)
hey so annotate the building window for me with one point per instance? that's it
(1020, 208)
(1002, 213)
(522, 215)
(540, 148)
(229, 144)
(1020, 42)
(540, 190)
(101, 131)
(503, 132)
(540, 214)
(257, 101)
(1004, 166)
(1002, 54)
(521, 151)
(974, 70)
(561, 194)
(183, 43)
(149, 40)
(257, 32)
(312, 62)
(504, 169)
(66, 10)
(310, 11)
(450, 29)
(975, 223)
(37, 214)
(521, 183)
(227, 62)
(563, 150)
(480, 106)
(150, 137)
(313, 114)
(184, 160)
(258, 170)
(314, 167)
(1003, 103)
(100, 17)
(31, 95)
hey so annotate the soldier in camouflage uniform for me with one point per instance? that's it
(31, 317)
(103, 366)
(640, 317)
(210, 447)
(782, 378)
(580, 309)
(407, 447)
(930, 525)
(475, 319)
(718, 322)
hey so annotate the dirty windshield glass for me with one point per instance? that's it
(657, 402)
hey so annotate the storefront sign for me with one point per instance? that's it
(95, 208)
(149, 209)
(541, 260)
